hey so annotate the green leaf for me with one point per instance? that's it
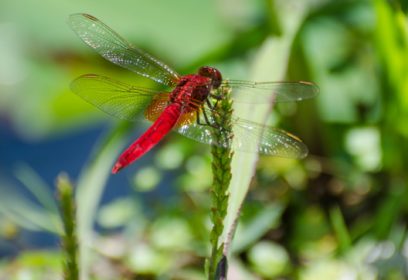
(340, 229)
(267, 219)
(37, 187)
(270, 64)
(23, 212)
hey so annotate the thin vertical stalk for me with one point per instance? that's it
(221, 168)
(69, 238)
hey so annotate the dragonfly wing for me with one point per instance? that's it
(267, 92)
(199, 130)
(200, 133)
(267, 140)
(117, 50)
(113, 97)
(248, 137)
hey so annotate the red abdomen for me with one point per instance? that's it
(164, 123)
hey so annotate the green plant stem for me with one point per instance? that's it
(69, 238)
(221, 168)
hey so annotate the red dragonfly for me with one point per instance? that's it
(188, 107)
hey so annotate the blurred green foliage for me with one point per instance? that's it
(339, 214)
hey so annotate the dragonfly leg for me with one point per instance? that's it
(209, 104)
(216, 97)
(207, 121)
(213, 107)
(217, 126)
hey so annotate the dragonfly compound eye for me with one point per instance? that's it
(211, 73)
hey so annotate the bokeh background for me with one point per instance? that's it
(341, 213)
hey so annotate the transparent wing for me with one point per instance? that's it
(249, 137)
(129, 102)
(272, 141)
(267, 92)
(114, 48)
(115, 98)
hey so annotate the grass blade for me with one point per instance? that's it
(90, 187)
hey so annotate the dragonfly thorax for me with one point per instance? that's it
(191, 91)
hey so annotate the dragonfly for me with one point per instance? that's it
(187, 106)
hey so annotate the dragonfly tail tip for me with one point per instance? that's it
(116, 168)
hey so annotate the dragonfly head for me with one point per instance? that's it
(211, 73)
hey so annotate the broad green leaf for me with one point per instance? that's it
(270, 64)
